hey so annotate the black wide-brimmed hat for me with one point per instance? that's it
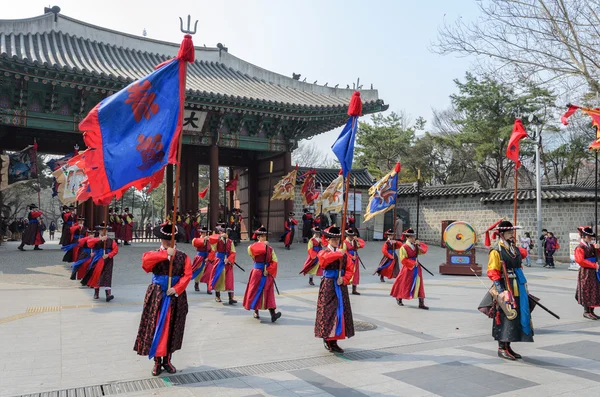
(586, 231)
(126, 210)
(291, 214)
(350, 232)
(165, 232)
(203, 229)
(65, 207)
(317, 229)
(409, 232)
(333, 232)
(81, 218)
(102, 226)
(389, 232)
(32, 206)
(505, 226)
(261, 231)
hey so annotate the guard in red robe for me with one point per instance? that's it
(99, 273)
(389, 267)
(77, 231)
(69, 218)
(409, 284)
(334, 313)
(290, 230)
(311, 265)
(202, 263)
(260, 291)
(351, 222)
(80, 267)
(33, 233)
(351, 245)
(221, 278)
(588, 279)
(165, 306)
(127, 226)
(187, 226)
(307, 225)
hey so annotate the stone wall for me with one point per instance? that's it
(559, 217)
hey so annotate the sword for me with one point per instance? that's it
(275, 284)
(424, 268)
(544, 307)
(361, 262)
(241, 268)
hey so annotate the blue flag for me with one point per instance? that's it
(343, 148)
(383, 194)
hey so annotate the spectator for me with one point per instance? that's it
(543, 242)
(399, 228)
(52, 229)
(526, 244)
(551, 247)
(148, 230)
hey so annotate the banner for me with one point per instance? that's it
(285, 188)
(332, 198)
(309, 189)
(70, 179)
(383, 194)
(18, 167)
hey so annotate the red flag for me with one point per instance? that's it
(231, 186)
(571, 109)
(512, 152)
(202, 194)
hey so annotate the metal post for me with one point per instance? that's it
(538, 194)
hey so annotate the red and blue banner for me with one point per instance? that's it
(343, 147)
(133, 134)
(383, 194)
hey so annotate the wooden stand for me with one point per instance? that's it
(460, 263)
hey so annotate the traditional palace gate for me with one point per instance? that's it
(54, 69)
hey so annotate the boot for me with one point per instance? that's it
(587, 313)
(422, 304)
(334, 347)
(20, 247)
(208, 291)
(256, 315)
(109, 297)
(196, 287)
(37, 248)
(126, 243)
(326, 344)
(354, 291)
(166, 363)
(381, 279)
(504, 353)
(218, 297)
(399, 302)
(231, 300)
(157, 369)
(73, 274)
(310, 281)
(594, 314)
(96, 293)
(274, 315)
(512, 352)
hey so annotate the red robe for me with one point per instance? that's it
(102, 264)
(389, 266)
(221, 278)
(255, 297)
(202, 258)
(127, 227)
(80, 254)
(290, 229)
(409, 284)
(355, 245)
(311, 265)
(33, 232)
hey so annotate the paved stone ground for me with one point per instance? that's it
(55, 336)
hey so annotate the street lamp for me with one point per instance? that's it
(537, 138)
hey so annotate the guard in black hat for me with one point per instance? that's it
(389, 266)
(307, 225)
(69, 218)
(351, 245)
(588, 279)
(164, 293)
(127, 227)
(100, 272)
(202, 265)
(260, 290)
(510, 305)
(33, 233)
(311, 265)
(409, 283)
(290, 230)
(334, 316)
(222, 276)
(78, 231)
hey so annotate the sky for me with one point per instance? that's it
(385, 43)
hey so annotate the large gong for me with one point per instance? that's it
(460, 238)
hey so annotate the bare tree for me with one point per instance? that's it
(548, 41)
(308, 154)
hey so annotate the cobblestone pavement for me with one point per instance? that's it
(54, 336)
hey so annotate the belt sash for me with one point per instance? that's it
(163, 282)
(203, 254)
(594, 260)
(523, 301)
(415, 277)
(334, 274)
(261, 285)
(218, 269)
(388, 262)
(33, 221)
(76, 265)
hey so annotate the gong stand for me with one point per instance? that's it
(460, 239)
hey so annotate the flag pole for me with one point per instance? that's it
(354, 202)
(596, 198)
(516, 192)
(346, 189)
(269, 198)
(37, 174)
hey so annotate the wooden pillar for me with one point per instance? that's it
(214, 186)
(168, 189)
(231, 194)
(287, 168)
(189, 181)
(253, 190)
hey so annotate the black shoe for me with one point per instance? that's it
(381, 279)
(97, 293)
(275, 316)
(422, 306)
(326, 344)
(505, 354)
(218, 297)
(335, 348)
(157, 369)
(552, 267)
(590, 316)
(311, 282)
(354, 291)
(21, 248)
(109, 297)
(196, 287)
(168, 366)
(256, 315)
(37, 249)
(546, 265)
(514, 354)
(73, 275)
(399, 302)
(209, 292)
(232, 301)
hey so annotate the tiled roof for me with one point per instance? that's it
(564, 192)
(461, 189)
(326, 175)
(71, 46)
